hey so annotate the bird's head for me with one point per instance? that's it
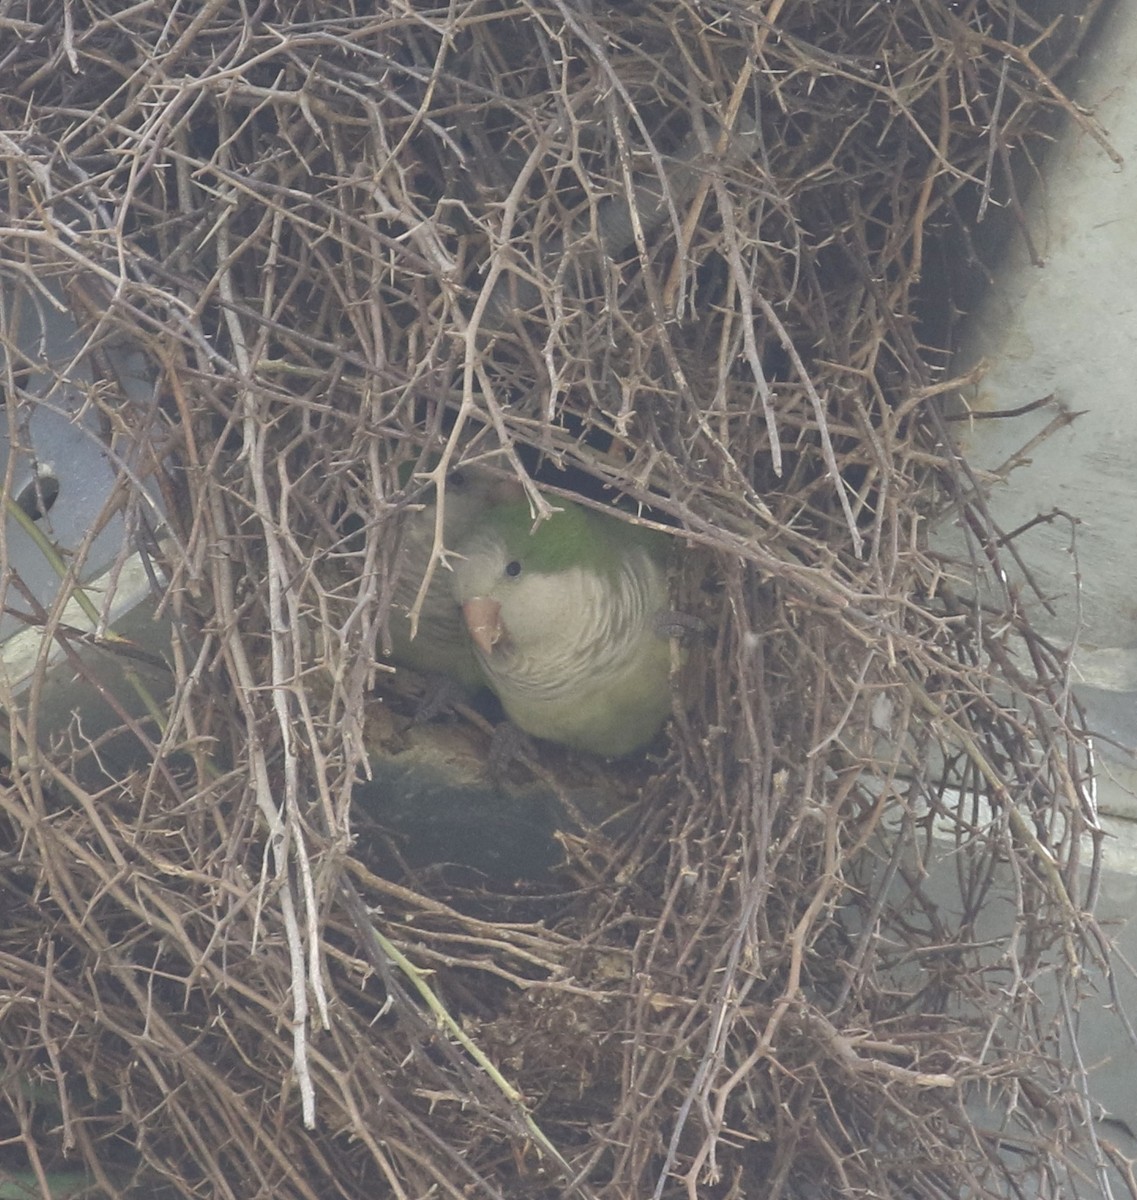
(521, 585)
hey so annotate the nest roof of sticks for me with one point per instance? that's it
(705, 257)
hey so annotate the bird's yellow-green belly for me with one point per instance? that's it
(610, 715)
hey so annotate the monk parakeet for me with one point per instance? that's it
(569, 623)
(441, 645)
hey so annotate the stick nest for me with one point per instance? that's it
(702, 257)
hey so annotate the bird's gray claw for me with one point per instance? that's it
(506, 746)
(442, 693)
(680, 625)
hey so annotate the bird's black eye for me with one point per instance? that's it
(457, 478)
(513, 569)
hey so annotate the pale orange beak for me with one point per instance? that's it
(483, 620)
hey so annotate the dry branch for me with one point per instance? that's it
(684, 254)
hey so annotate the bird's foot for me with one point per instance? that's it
(442, 693)
(507, 746)
(681, 625)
